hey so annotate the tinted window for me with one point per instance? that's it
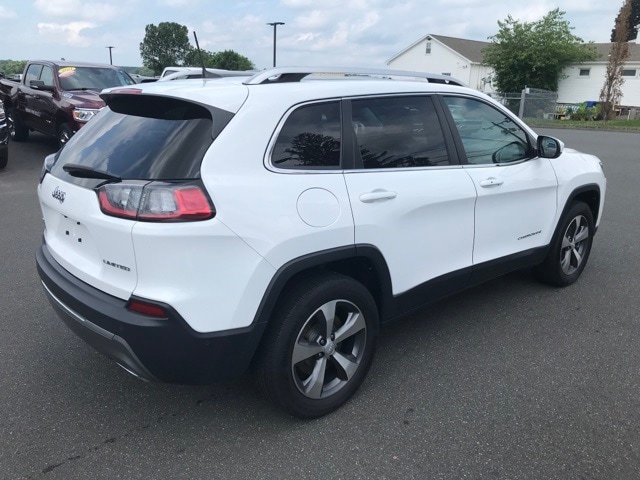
(47, 75)
(310, 138)
(92, 78)
(488, 135)
(397, 132)
(144, 138)
(33, 72)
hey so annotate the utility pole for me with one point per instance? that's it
(275, 27)
(110, 57)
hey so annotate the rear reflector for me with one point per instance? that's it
(147, 309)
(155, 202)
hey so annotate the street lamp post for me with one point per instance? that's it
(275, 26)
(110, 57)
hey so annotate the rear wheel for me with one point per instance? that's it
(17, 130)
(570, 247)
(319, 347)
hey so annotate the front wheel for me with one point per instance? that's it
(319, 346)
(4, 157)
(570, 247)
(64, 134)
(18, 132)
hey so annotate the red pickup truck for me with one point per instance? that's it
(57, 98)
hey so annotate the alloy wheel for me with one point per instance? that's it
(574, 245)
(328, 349)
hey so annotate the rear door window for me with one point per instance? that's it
(144, 138)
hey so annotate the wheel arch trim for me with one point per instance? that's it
(324, 258)
(592, 188)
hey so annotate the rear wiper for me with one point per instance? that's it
(80, 171)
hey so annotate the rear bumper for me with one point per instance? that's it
(152, 349)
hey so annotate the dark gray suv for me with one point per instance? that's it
(4, 139)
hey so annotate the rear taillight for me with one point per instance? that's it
(156, 202)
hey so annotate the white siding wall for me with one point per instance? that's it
(443, 60)
(478, 72)
(440, 60)
(577, 89)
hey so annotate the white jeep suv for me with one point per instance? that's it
(196, 230)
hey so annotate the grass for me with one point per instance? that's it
(618, 125)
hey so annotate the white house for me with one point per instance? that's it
(583, 82)
(457, 57)
(462, 59)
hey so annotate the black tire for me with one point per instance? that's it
(64, 134)
(570, 247)
(18, 132)
(327, 369)
(4, 157)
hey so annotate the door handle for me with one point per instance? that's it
(491, 182)
(377, 195)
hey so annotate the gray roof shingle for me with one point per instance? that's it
(472, 49)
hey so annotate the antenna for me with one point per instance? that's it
(205, 74)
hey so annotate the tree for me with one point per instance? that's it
(612, 89)
(164, 45)
(227, 60)
(632, 22)
(230, 60)
(195, 59)
(534, 54)
(12, 67)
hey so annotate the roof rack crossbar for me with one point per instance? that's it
(296, 74)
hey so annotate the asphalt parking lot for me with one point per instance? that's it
(509, 380)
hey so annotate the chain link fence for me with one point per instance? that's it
(530, 103)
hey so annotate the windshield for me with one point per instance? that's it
(92, 78)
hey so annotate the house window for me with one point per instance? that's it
(584, 72)
(629, 72)
(428, 48)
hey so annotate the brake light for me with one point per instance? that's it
(155, 202)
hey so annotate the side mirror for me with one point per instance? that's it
(39, 85)
(549, 147)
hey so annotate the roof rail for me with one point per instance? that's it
(295, 74)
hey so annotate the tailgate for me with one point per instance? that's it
(95, 248)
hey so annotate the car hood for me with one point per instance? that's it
(84, 98)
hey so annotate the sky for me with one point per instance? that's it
(362, 33)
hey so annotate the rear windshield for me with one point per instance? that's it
(144, 138)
